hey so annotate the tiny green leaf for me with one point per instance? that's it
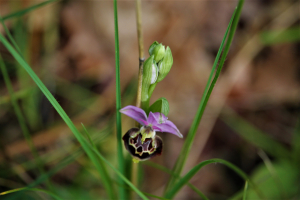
(159, 52)
(165, 65)
(151, 48)
(161, 105)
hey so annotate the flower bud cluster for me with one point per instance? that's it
(156, 67)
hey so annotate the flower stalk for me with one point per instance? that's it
(141, 52)
(135, 166)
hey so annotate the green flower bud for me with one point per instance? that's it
(158, 52)
(161, 105)
(151, 48)
(150, 74)
(165, 65)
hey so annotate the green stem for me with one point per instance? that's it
(135, 166)
(151, 89)
(145, 105)
(141, 51)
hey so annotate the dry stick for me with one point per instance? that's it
(135, 166)
(237, 67)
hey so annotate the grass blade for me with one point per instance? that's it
(122, 177)
(27, 10)
(121, 161)
(172, 192)
(255, 136)
(245, 191)
(62, 113)
(164, 169)
(32, 189)
(154, 196)
(208, 89)
(89, 137)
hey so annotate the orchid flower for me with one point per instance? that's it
(157, 121)
(143, 143)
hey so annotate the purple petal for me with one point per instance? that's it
(156, 118)
(153, 118)
(135, 113)
(162, 119)
(156, 128)
(168, 127)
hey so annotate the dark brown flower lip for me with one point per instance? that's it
(143, 151)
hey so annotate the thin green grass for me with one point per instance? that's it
(89, 137)
(245, 191)
(178, 185)
(122, 191)
(32, 189)
(27, 10)
(208, 89)
(164, 169)
(154, 196)
(122, 176)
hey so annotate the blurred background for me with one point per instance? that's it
(251, 118)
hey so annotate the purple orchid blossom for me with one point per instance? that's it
(143, 143)
(157, 121)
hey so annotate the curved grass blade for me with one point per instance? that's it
(9, 35)
(172, 192)
(154, 196)
(245, 191)
(89, 137)
(208, 89)
(121, 161)
(32, 189)
(164, 169)
(27, 10)
(120, 175)
(65, 117)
